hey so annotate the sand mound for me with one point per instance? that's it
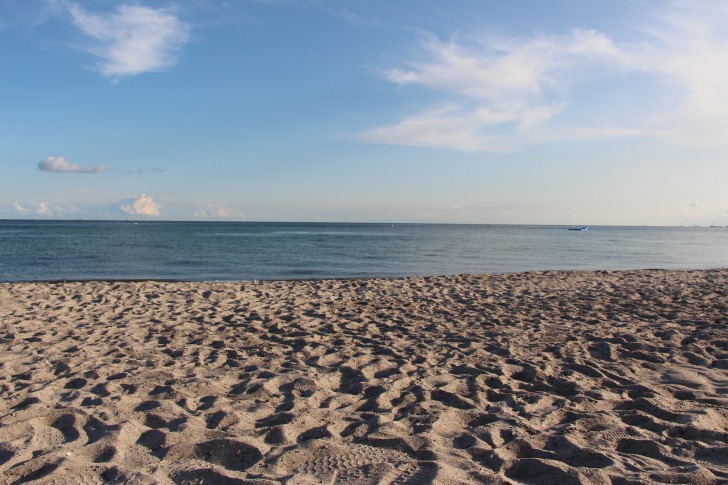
(588, 377)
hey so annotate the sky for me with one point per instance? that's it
(462, 111)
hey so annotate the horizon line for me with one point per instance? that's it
(224, 221)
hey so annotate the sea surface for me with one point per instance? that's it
(213, 251)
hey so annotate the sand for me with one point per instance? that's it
(556, 377)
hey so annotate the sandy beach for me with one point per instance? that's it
(555, 377)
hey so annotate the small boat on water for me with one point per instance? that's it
(583, 228)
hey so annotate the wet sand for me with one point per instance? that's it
(556, 377)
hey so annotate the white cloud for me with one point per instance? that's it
(212, 211)
(133, 39)
(22, 210)
(142, 205)
(503, 69)
(462, 129)
(492, 82)
(503, 92)
(690, 50)
(43, 210)
(60, 164)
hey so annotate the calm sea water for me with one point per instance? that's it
(64, 250)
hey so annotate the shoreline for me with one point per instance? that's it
(570, 376)
(358, 278)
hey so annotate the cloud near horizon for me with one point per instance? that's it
(143, 205)
(213, 211)
(498, 93)
(42, 209)
(20, 209)
(61, 165)
(133, 39)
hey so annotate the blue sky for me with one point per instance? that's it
(475, 111)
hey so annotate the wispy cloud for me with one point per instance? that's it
(503, 69)
(690, 49)
(213, 211)
(491, 83)
(143, 205)
(503, 92)
(60, 164)
(133, 39)
(455, 127)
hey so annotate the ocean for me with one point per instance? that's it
(217, 251)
